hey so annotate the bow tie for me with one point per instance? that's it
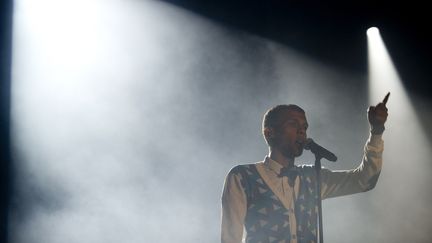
(291, 173)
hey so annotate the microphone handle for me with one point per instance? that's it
(320, 151)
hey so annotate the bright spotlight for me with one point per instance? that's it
(372, 31)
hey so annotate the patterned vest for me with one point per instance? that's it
(267, 220)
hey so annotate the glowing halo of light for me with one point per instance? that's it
(372, 31)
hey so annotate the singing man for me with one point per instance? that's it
(274, 200)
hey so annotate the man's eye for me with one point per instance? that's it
(293, 124)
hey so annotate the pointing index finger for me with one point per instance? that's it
(386, 98)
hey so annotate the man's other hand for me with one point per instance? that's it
(377, 116)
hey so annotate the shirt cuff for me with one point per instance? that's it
(375, 140)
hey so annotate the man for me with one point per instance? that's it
(275, 200)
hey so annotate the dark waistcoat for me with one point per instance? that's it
(267, 220)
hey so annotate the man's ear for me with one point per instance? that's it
(269, 132)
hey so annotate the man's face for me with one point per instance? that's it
(290, 135)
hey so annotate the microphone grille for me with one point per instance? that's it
(308, 143)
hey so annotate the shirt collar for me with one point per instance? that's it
(276, 167)
(273, 165)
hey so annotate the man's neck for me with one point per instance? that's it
(281, 159)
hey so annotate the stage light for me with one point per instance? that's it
(98, 100)
(407, 150)
(373, 31)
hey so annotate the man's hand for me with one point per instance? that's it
(377, 116)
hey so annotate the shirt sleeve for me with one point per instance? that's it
(233, 208)
(363, 178)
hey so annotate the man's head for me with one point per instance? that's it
(284, 128)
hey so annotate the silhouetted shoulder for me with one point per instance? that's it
(243, 169)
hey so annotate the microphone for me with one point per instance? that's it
(318, 150)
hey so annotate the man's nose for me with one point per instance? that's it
(301, 131)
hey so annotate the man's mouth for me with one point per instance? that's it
(300, 143)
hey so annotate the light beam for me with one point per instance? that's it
(406, 169)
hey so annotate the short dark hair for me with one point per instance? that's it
(273, 116)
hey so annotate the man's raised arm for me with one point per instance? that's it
(365, 176)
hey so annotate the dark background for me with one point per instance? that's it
(332, 32)
(335, 32)
(5, 74)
